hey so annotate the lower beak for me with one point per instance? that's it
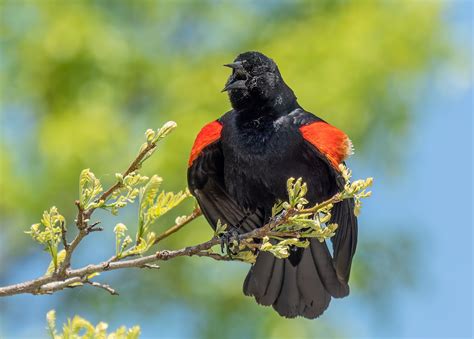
(237, 84)
(239, 77)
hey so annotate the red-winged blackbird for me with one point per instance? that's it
(239, 167)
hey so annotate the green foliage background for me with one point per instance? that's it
(81, 81)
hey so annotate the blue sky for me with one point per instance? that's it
(439, 181)
(433, 188)
(434, 191)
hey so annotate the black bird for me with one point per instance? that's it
(238, 169)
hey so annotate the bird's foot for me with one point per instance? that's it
(230, 243)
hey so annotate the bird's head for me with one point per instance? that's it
(256, 82)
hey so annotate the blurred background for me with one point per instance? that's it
(80, 82)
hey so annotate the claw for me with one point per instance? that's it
(236, 238)
(230, 240)
(222, 243)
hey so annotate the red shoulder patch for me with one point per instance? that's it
(208, 134)
(329, 140)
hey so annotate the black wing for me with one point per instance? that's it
(345, 240)
(206, 183)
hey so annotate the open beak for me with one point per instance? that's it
(238, 78)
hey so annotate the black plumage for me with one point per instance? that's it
(239, 175)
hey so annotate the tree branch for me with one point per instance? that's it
(51, 283)
(55, 282)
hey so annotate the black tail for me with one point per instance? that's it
(303, 284)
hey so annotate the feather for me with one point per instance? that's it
(314, 298)
(274, 286)
(327, 273)
(287, 303)
(260, 275)
(345, 240)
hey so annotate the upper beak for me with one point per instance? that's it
(237, 65)
(236, 81)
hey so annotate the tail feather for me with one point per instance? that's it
(288, 302)
(303, 284)
(304, 289)
(314, 297)
(327, 273)
(258, 278)
(274, 286)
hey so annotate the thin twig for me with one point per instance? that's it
(283, 234)
(64, 236)
(151, 266)
(135, 165)
(173, 229)
(80, 215)
(103, 286)
(333, 200)
(217, 256)
(94, 228)
(69, 251)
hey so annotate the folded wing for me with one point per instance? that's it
(206, 183)
(333, 145)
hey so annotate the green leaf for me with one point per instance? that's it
(166, 129)
(78, 327)
(246, 256)
(154, 205)
(220, 228)
(89, 189)
(126, 193)
(49, 231)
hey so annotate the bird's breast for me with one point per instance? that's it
(257, 163)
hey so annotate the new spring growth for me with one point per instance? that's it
(220, 229)
(153, 137)
(78, 327)
(120, 235)
(282, 248)
(166, 129)
(48, 232)
(89, 189)
(302, 224)
(127, 192)
(153, 204)
(150, 135)
(313, 222)
(356, 189)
